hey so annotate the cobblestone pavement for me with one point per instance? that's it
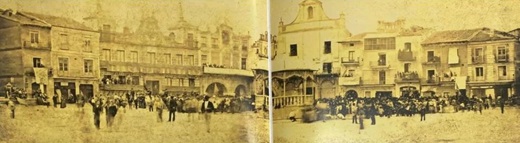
(52, 125)
(491, 126)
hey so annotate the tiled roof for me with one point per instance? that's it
(23, 19)
(467, 35)
(60, 21)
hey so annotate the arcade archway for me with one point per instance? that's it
(216, 89)
(240, 91)
(351, 94)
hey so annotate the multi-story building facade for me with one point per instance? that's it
(307, 64)
(59, 55)
(473, 62)
(187, 59)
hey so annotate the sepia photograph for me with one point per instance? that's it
(395, 71)
(94, 71)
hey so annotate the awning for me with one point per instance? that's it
(460, 82)
(41, 75)
(453, 56)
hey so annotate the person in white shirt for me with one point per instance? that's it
(207, 108)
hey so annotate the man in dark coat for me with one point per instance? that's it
(172, 107)
(55, 100)
(207, 108)
(97, 108)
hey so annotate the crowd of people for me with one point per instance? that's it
(407, 106)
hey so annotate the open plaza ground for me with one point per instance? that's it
(467, 127)
(67, 125)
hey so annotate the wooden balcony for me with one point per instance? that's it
(407, 77)
(350, 61)
(478, 59)
(435, 60)
(503, 58)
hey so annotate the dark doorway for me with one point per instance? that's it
(87, 90)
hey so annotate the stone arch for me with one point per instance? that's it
(216, 89)
(240, 91)
(351, 94)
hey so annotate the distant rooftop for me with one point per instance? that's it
(467, 35)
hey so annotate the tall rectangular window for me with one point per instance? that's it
(244, 63)
(105, 55)
(151, 57)
(431, 56)
(479, 71)
(63, 64)
(35, 37)
(407, 47)
(204, 59)
(181, 81)
(168, 58)
(133, 57)
(351, 55)
(502, 70)
(179, 59)
(191, 82)
(64, 41)
(86, 45)
(327, 67)
(191, 60)
(407, 67)
(37, 62)
(88, 66)
(120, 56)
(294, 50)
(382, 59)
(327, 47)
(382, 77)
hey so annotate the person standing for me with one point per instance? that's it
(355, 112)
(12, 107)
(423, 112)
(172, 106)
(55, 100)
(373, 114)
(360, 115)
(207, 108)
(97, 109)
(159, 106)
(502, 102)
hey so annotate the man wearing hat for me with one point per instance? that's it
(207, 108)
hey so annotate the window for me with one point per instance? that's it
(382, 77)
(351, 44)
(327, 46)
(191, 82)
(310, 12)
(327, 67)
(168, 58)
(190, 40)
(106, 28)
(88, 66)
(382, 59)
(63, 64)
(478, 52)
(294, 50)
(35, 37)
(479, 71)
(105, 54)
(191, 60)
(244, 63)
(133, 56)
(502, 54)
(431, 74)
(431, 56)
(179, 59)
(120, 56)
(351, 55)
(64, 41)
(407, 67)
(407, 47)
(151, 57)
(204, 59)
(380, 43)
(86, 45)
(37, 62)
(135, 80)
(502, 70)
(181, 82)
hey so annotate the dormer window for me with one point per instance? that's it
(310, 12)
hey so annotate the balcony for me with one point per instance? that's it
(293, 100)
(354, 80)
(432, 81)
(228, 71)
(405, 56)
(507, 77)
(407, 77)
(330, 72)
(350, 61)
(502, 58)
(120, 87)
(433, 60)
(477, 59)
(182, 88)
(379, 65)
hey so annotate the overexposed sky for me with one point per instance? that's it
(243, 15)
(362, 15)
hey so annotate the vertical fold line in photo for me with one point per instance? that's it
(269, 71)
